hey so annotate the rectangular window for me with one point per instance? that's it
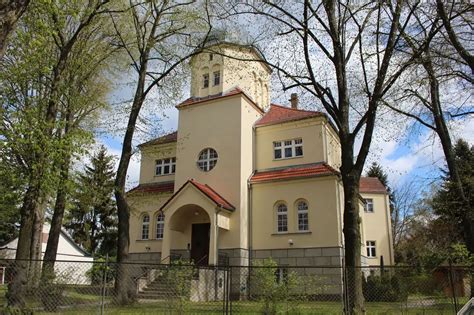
(282, 222)
(205, 80)
(370, 245)
(211, 56)
(217, 77)
(369, 205)
(287, 149)
(165, 166)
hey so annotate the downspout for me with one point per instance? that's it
(249, 195)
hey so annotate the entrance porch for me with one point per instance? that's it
(194, 217)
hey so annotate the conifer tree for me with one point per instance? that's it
(92, 220)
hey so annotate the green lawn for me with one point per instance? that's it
(78, 303)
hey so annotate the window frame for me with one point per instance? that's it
(160, 163)
(369, 201)
(160, 225)
(371, 249)
(284, 218)
(291, 144)
(208, 160)
(145, 226)
(302, 212)
(216, 75)
(205, 80)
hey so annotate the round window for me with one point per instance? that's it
(207, 159)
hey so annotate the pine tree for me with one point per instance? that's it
(376, 170)
(447, 203)
(92, 220)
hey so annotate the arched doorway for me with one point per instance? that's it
(191, 225)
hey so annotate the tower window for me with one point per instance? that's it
(217, 77)
(205, 80)
(211, 57)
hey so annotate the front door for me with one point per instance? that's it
(200, 243)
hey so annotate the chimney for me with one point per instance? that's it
(294, 100)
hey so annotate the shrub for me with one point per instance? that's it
(384, 288)
(100, 271)
(273, 288)
(179, 276)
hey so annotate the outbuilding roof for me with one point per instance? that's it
(280, 114)
(371, 185)
(293, 172)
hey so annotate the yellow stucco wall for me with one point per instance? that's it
(226, 126)
(141, 204)
(377, 227)
(320, 194)
(310, 130)
(149, 155)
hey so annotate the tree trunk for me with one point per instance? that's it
(56, 222)
(351, 229)
(10, 12)
(16, 288)
(124, 289)
(446, 143)
(36, 247)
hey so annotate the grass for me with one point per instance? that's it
(79, 303)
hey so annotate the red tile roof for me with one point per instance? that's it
(234, 91)
(280, 114)
(293, 172)
(371, 185)
(163, 187)
(206, 190)
(171, 137)
(213, 195)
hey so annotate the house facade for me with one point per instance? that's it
(243, 179)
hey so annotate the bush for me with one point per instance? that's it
(272, 289)
(179, 276)
(384, 288)
(100, 271)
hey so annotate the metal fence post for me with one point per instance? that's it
(453, 286)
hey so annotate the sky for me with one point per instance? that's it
(406, 151)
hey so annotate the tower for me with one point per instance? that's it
(223, 66)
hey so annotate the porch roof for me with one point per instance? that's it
(210, 193)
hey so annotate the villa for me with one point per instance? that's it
(243, 179)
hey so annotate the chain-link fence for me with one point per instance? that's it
(74, 287)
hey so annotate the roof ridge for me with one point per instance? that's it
(295, 109)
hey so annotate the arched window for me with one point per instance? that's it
(282, 217)
(145, 227)
(160, 225)
(303, 222)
